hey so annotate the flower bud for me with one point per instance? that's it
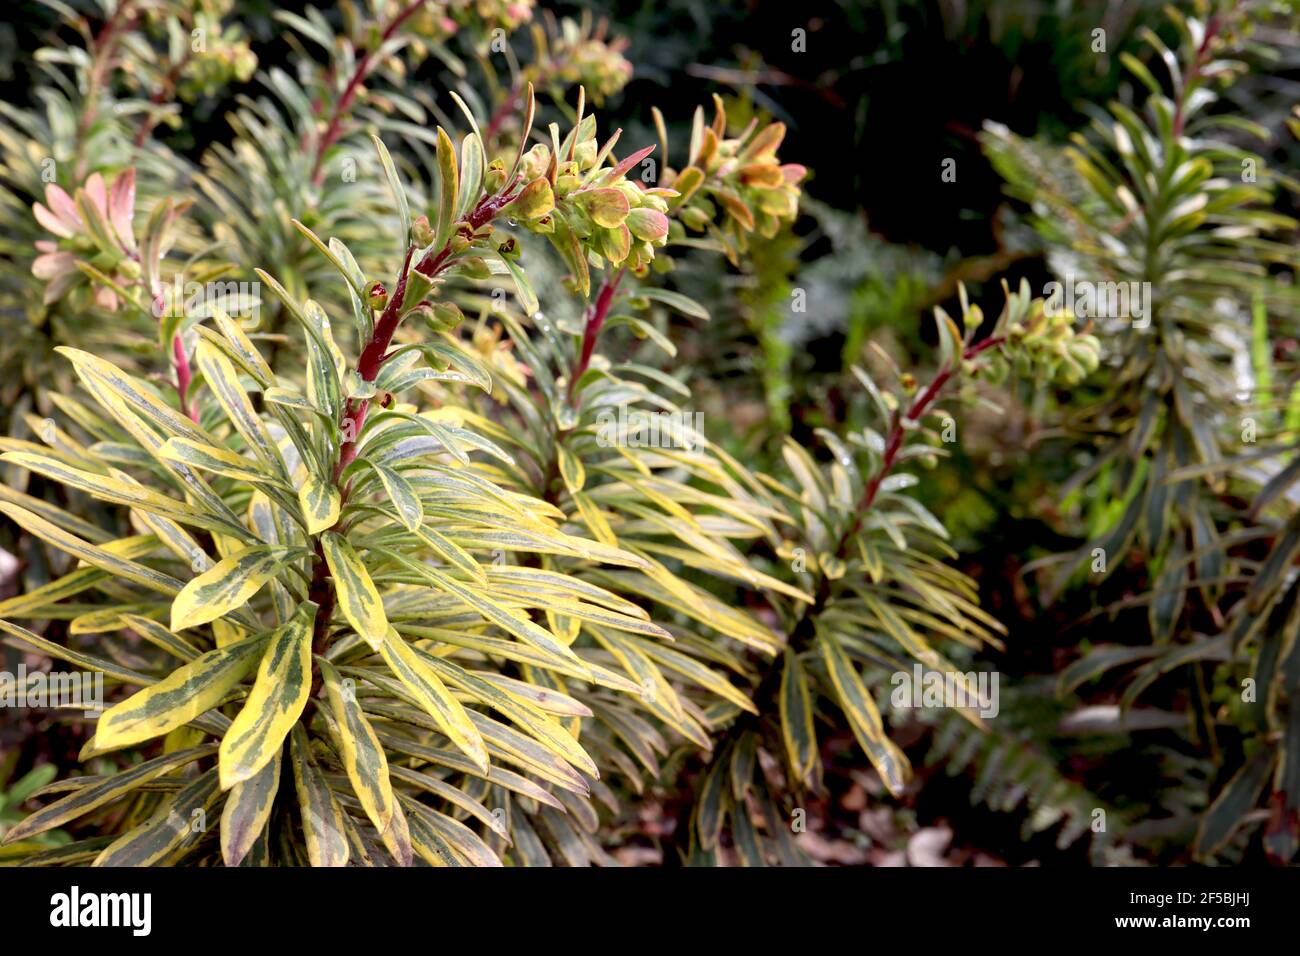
(446, 316)
(421, 232)
(495, 177)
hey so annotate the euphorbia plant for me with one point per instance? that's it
(883, 598)
(338, 617)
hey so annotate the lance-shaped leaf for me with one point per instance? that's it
(97, 794)
(320, 501)
(227, 585)
(504, 618)
(323, 825)
(472, 164)
(864, 718)
(401, 494)
(178, 698)
(358, 597)
(448, 187)
(247, 810)
(550, 733)
(117, 490)
(168, 830)
(276, 701)
(797, 728)
(223, 383)
(217, 460)
(105, 560)
(141, 398)
(363, 757)
(395, 186)
(434, 698)
(24, 639)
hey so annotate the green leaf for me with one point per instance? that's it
(363, 757)
(227, 585)
(275, 703)
(864, 718)
(448, 186)
(219, 461)
(248, 809)
(798, 730)
(472, 165)
(395, 187)
(118, 490)
(1236, 800)
(523, 287)
(405, 501)
(320, 500)
(323, 824)
(434, 698)
(675, 300)
(178, 698)
(223, 384)
(358, 598)
(167, 830)
(115, 565)
(97, 794)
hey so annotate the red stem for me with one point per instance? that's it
(335, 127)
(503, 111)
(376, 350)
(183, 378)
(150, 118)
(101, 61)
(894, 443)
(596, 316)
(369, 364)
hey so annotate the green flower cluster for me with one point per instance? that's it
(590, 211)
(583, 55)
(1042, 341)
(741, 176)
(223, 58)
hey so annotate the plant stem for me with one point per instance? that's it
(183, 378)
(335, 127)
(805, 626)
(376, 350)
(121, 21)
(368, 367)
(369, 364)
(894, 443)
(149, 120)
(596, 315)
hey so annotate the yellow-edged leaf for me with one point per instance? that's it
(434, 698)
(363, 757)
(97, 794)
(247, 810)
(323, 825)
(797, 728)
(276, 701)
(223, 383)
(358, 597)
(178, 698)
(864, 717)
(320, 501)
(227, 585)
